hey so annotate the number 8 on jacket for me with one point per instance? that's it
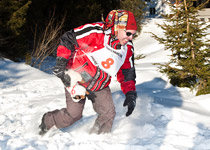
(107, 64)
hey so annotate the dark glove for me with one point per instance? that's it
(130, 101)
(59, 71)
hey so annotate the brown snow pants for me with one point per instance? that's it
(102, 104)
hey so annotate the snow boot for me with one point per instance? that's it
(43, 127)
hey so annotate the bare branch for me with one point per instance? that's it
(48, 41)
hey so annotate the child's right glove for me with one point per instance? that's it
(59, 71)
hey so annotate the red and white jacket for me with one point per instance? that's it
(77, 44)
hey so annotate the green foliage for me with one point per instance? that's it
(13, 20)
(13, 14)
(185, 37)
(18, 17)
(140, 56)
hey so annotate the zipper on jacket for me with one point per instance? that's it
(85, 64)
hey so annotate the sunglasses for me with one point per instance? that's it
(129, 33)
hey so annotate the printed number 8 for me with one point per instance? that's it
(107, 64)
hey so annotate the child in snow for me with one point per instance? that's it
(97, 51)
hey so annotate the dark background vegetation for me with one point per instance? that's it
(23, 21)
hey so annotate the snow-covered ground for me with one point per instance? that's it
(165, 118)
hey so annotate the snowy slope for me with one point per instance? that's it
(165, 118)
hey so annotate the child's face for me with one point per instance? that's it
(125, 35)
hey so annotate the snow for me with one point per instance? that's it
(165, 117)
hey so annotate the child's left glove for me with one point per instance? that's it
(130, 101)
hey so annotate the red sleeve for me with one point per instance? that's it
(64, 52)
(126, 75)
(89, 36)
(85, 37)
(67, 45)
